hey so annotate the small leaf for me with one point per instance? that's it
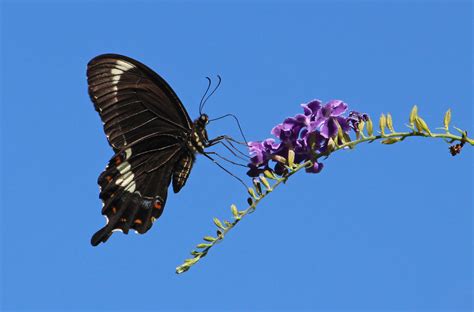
(235, 212)
(447, 119)
(390, 122)
(291, 158)
(382, 123)
(227, 223)
(390, 141)
(218, 223)
(209, 238)
(413, 115)
(196, 253)
(370, 127)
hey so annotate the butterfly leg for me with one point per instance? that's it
(226, 170)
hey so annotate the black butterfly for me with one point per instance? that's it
(152, 135)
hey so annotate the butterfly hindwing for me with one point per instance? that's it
(124, 205)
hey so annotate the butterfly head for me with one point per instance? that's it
(203, 120)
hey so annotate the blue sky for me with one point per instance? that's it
(380, 228)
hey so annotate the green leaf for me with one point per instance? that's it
(218, 223)
(382, 123)
(447, 119)
(390, 123)
(413, 114)
(390, 141)
(209, 238)
(370, 127)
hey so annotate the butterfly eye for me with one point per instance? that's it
(204, 118)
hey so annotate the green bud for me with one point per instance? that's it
(196, 253)
(258, 187)
(340, 134)
(269, 174)
(331, 145)
(390, 141)
(413, 114)
(265, 182)
(251, 192)
(421, 125)
(390, 123)
(190, 261)
(382, 123)
(218, 223)
(279, 159)
(235, 212)
(291, 158)
(347, 139)
(209, 238)
(370, 127)
(203, 245)
(227, 223)
(360, 126)
(447, 119)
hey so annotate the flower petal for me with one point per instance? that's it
(338, 107)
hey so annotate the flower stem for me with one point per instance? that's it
(223, 230)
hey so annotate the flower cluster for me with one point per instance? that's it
(307, 135)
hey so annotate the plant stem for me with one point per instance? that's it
(198, 254)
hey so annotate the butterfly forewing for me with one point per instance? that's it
(133, 101)
(148, 128)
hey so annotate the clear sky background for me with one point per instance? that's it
(381, 228)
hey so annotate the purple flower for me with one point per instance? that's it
(261, 152)
(315, 168)
(328, 117)
(306, 134)
(355, 118)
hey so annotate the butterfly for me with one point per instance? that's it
(154, 140)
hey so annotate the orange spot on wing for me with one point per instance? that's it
(114, 210)
(137, 221)
(158, 205)
(118, 160)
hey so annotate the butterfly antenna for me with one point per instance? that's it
(201, 104)
(238, 124)
(210, 94)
